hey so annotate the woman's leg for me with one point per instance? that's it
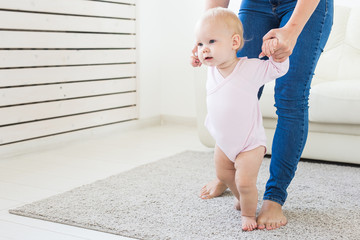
(291, 101)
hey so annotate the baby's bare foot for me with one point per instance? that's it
(271, 216)
(237, 204)
(248, 223)
(213, 189)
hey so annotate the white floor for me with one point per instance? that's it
(34, 176)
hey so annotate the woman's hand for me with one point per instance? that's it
(285, 45)
(194, 60)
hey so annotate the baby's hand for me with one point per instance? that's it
(268, 47)
(194, 60)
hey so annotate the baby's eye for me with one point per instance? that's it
(199, 44)
(212, 41)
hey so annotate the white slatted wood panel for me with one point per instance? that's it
(51, 40)
(34, 76)
(73, 7)
(122, 1)
(48, 22)
(21, 132)
(65, 65)
(32, 58)
(46, 110)
(24, 95)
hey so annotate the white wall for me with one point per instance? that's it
(165, 39)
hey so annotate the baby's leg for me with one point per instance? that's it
(247, 166)
(225, 172)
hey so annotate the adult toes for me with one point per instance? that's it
(277, 224)
(269, 226)
(283, 222)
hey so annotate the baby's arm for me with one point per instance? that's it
(272, 70)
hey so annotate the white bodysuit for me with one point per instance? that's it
(234, 118)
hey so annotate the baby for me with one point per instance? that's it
(234, 118)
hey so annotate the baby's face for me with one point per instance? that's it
(214, 42)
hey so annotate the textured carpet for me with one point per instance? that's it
(159, 201)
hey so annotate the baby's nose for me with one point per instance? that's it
(205, 49)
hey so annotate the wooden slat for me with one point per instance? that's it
(119, 1)
(60, 125)
(23, 58)
(20, 20)
(65, 65)
(16, 77)
(10, 39)
(12, 96)
(25, 113)
(75, 7)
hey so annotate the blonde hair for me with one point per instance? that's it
(229, 18)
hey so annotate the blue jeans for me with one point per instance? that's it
(291, 90)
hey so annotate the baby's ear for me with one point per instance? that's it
(237, 41)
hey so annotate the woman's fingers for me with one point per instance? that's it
(271, 34)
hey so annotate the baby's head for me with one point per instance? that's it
(219, 34)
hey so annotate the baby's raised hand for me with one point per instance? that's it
(268, 47)
(194, 60)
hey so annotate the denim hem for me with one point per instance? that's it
(274, 200)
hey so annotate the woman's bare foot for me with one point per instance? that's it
(248, 223)
(271, 216)
(213, 189)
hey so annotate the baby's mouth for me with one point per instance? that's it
(208, 58)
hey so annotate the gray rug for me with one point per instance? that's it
(159, 201)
